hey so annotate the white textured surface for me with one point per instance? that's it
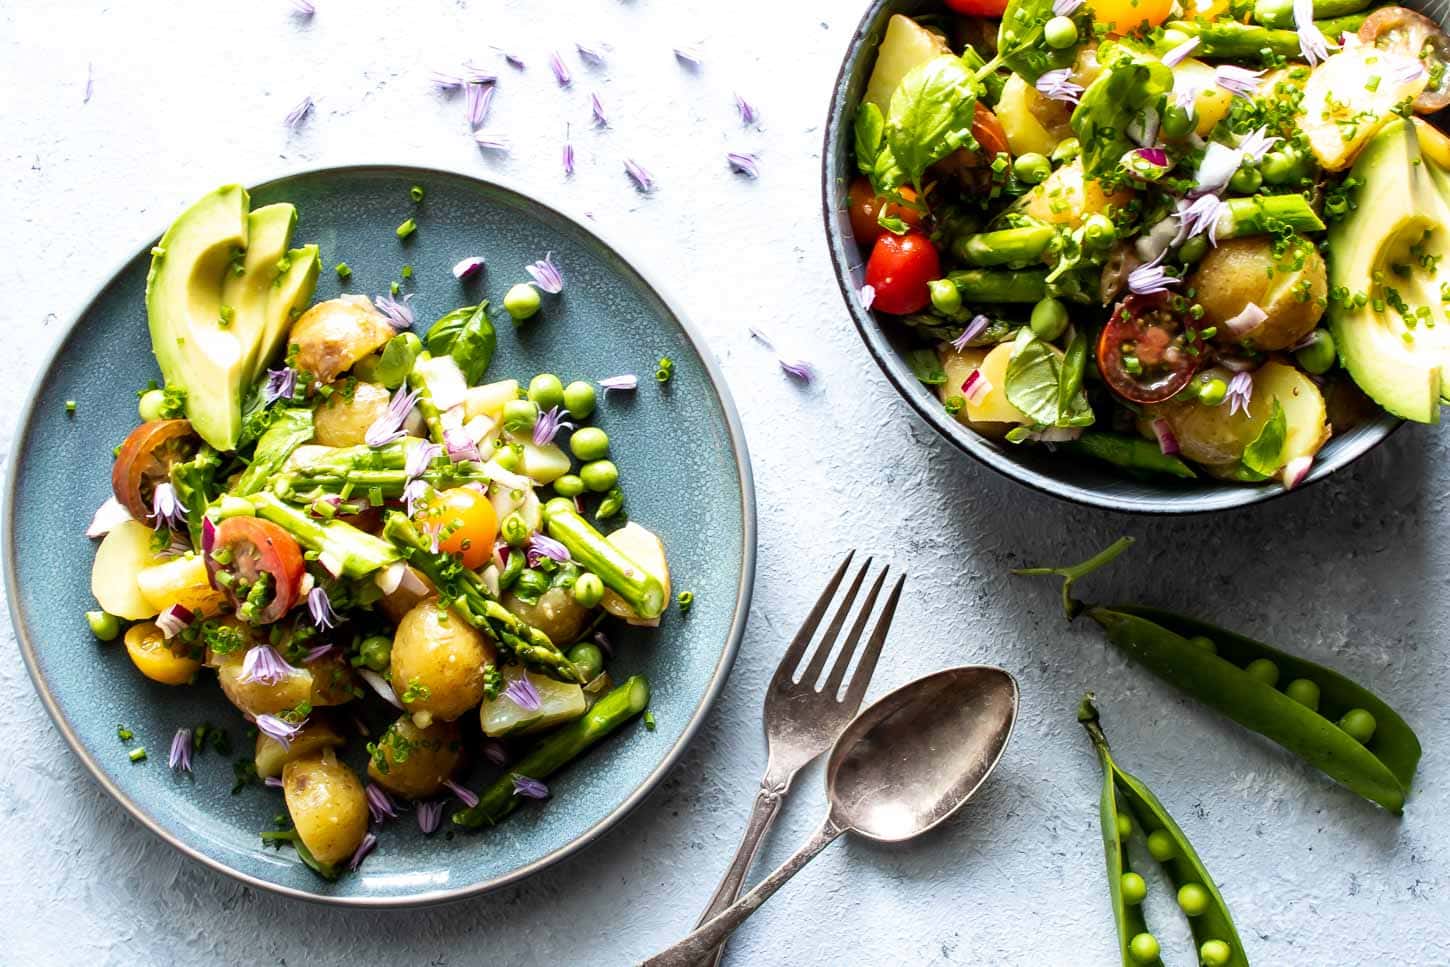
(188, 95)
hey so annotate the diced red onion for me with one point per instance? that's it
(1250, 317)
(108, 516)
(391, 576)
(466, 796)
(174, 620)
(1167, 442)
(467, 268)
(380, 685)
(976, 387)
(522, 693)
(1296, 470)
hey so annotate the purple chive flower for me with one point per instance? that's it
(688, 56)
(494, 751)
(414, 491)
(380, 804)
(166, 510)
(1240, 393)
(561, 73)
(522, 693)
(1217, 167)
(1199, 217)
(597, 109)
(1403, 70)
(744, 164)
(867, 297)
(1058, 86)
(490, 142)
(368, 844)
(1312, 43)
(974, 329)
(281, 384)
(1176, 56)
(541, 546)
(1256, 144)
(1185, 96)
(445, 81)
(278, 730)
(1066, 8)
(303, 8)
(420, 458)
(274, 782)
(295, 117)
(263, 666)
(319, 605)
(467, 268)
(399, 314)
(479, 97)
(590, 55)
(639, 175)
(529, 788)
(180, 757)
(389, 426)
(748, 114)
(466, 796)
(1238, 81)
(798, 368)
(548, 425)
(546, 275)
(430, 814)
(1149, 278)
(460, 446)
(314, 654)
(628, 381)
(90, 83)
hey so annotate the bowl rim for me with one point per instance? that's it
(734, 636)
(840, 246)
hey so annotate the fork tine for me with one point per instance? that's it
(859, 681)
(828, 640)
(802, 638)
(843, 660)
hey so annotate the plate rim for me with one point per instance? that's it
(734, 637)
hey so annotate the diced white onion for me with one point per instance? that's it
(108, 516)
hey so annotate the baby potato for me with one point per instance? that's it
(438, 662)
(1067, 198)
(994, 407)
(906, 45)
(406, 595)
(1305, 419)
(556, 614)
(1289, 288)
(261, 698)
(1211, 434)
(333, 335)
(124, 553)
(343, 421)
(1030, 121)
(181, 580)
(156, 658)
(333, 681)
(270, 755)
(1211, 102)
(327, 805)
(414, 762)
(958, 366)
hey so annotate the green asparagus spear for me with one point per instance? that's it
(587, 546)
(348, 551)
(1005, 246)
(290, 428)
(1129, 452)
(943, 330)
(1228, 39)
(1280, 13)
(1258, 214)
(418, 379)
(1000, 285)
(558, 749)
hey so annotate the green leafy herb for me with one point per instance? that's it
(1266, 454)
(931, 115)
(1019, 40)
(1129, 86)
(1041, 383)
(468, 336)
(291, 427)
(926, 367)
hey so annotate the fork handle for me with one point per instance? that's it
(767, 806)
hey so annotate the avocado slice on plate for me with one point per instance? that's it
(246, 293)
(1391, 249)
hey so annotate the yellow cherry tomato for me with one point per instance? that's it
(465, 522)
(1125, 16)
(154, 657)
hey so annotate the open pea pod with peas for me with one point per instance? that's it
(1126, 803)
(1335, 724)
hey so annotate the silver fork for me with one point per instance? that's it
(802, 721)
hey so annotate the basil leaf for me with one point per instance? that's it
(926, 367)
(1266, 454)
(441, 336)
(931, 115)
(291, 427)
(894, 224)
(1119, 96)
(870, 130)
(1036, 379)
(1019, 40)
(474, 347)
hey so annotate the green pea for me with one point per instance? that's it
(1199, 641)
(1125, 827)
(1282, 167)
(1060, 32)
(1176, 123)
(508, 458)
(1049, 319)
(520, 415)
(1161, 846)
(558, 505)
(569, 485)
(945, 296)
(599, 475)
(586, 656)
(579, 399)
(104, 626)
(1067, 150)
(1099, 231)
(1144, 948)
(547, 391)
(1317, 356)
(376, 652)
(1032, 168)
(1263, 670)
(588, 590)
(1360, 725)
(514, 530)
(1212, 392)
(1215, 953)
(521, 302)
(1135, 889)
(1193, 250)
(589, 443)
(153, 401)
(1193, 899)
(531, 583)
(1305, 692)
(1246, 181)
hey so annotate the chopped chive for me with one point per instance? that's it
(70, 406)
(124, 734)
(407, 272)
(686, 598)
(666, 369)
(649, 720)
(408, 227)
(416, 193)
(344, 271)
(137, 754)
(394, 288)
(225, 316)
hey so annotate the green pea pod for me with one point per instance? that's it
(1382, 771)
(1183, 868)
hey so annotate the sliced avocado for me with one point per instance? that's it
(291, 293)
(1391, 249)
(246, 294)
(183, 306)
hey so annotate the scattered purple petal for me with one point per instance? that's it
(263, 666)
(1058, 86)
(748, 114)
(445, 81)
(380, 685)
(639, 175)
(561, 73)
(1149, 278)
(399, 314)
(320, 652)
(1240, 393)
(389, 427)
(548, 425)
(479, 97)
(1238, 81)
(975, 328)
(166, 510)
(689, 57)
(522, 693)
(295, 117)
(1176, 56)
(275, 782)
(368, 844)
(180, 757)
(493, 750)
(489, 142)
(546, 275)
(793, 366)
(529, 788)
(304, 8)
(1312, 43)
(566, 157)
(319, 606)
(90, 82)
(1199, 217)
(744, 164)
(279, 730)
(541, 546)
(467, 268)
(281, 384)
(597, 110)
(867, 296)
(380, 804)
(466, 796)
(1296, 470)
(513, 60)
(628, 381)
(1066, 8)
(478, 75)
(590, 55)
(430, 814)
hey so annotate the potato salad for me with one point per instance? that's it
(393, 564)
(1189, 238)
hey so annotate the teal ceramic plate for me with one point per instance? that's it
(682, 461)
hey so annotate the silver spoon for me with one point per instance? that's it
(900, 768)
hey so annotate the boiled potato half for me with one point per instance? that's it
(1030, 121)
(124, 553)
(333, 335)
(958, 366)
(270, 756)
(559, 702)
(181, 580)
(261, 698)
(907, 44)
(556, 614)
(438, 663)
(1290, 288)
(415, 762)
(327, 805)
(343, 420)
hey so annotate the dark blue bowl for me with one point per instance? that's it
(1080, 481)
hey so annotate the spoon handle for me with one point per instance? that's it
(698, 945)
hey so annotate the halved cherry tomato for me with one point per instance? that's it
(1417, 38)
(245, 549)
(899, 269)
(467, 524)
(145, 460)
(865, 207)
(979, 8)
(988, 131)
(1146, 329)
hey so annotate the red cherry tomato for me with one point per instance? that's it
(979, 8)
(145, 460)
(249, 548)
(865, 207)
(466, 524)
(899, 269)
(1144, 352)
